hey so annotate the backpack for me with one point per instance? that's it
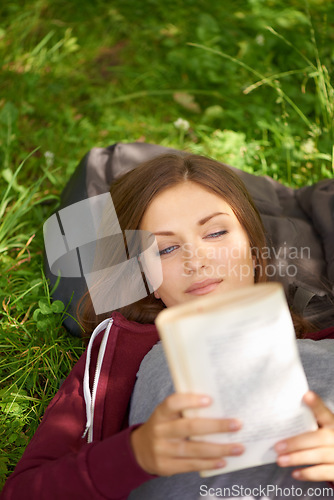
(299, 224)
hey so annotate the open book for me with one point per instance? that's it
(240, 349)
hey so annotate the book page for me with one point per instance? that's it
(248, 362)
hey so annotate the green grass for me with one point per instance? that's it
(252, 79)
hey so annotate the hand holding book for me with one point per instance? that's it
(315, 449)
(162, 446)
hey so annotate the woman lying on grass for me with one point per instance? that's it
(192, 202)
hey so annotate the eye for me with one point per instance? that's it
(168, 250)
(216, 234)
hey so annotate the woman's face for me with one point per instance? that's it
(203, 248)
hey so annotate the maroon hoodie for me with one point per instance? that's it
(59, 463)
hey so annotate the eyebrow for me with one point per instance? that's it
(200, 223)
(206, 219)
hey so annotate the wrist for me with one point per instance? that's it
(137, 445)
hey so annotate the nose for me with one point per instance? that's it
(195, 257)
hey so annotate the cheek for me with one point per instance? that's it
(169, 291)
(172, 268)
(172, 275)
(236, 250)
(246, 264)
(237, 260)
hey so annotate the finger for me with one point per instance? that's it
(324, 455)
(315, 473)
(308, 440)
(174, 405)
(322, 413)
(170, 466)
(202, 450)
(190, 427)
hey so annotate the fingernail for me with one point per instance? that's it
(237, 449)
(205, 400)
(296, 474)
(283, 460)
(220, 464)
(234, 425)
(280, 446)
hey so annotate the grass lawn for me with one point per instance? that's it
(251, 80)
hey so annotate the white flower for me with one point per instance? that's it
(259, 39)
(309, 147)
(49, 158)
(182, 124)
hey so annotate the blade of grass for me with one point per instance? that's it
(258, 75)
(148, 93)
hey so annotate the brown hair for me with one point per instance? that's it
(133, 192)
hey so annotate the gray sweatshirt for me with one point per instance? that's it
(269, 481)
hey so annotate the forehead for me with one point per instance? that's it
(183, 203)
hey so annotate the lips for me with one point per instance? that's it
(203, 287)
